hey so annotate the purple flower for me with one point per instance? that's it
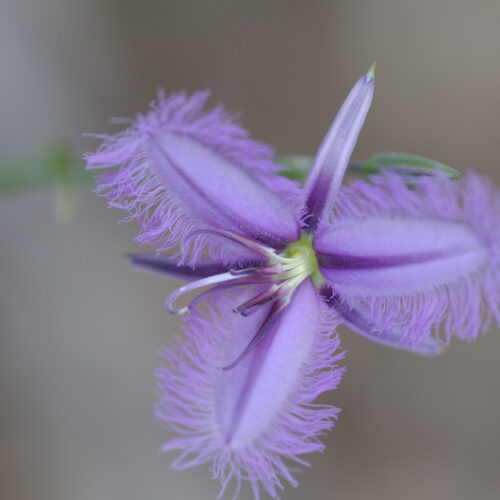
(405, 264)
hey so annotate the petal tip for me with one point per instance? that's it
(371, 72)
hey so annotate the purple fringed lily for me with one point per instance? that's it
(405, 264)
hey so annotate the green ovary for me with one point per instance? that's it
(303, 251)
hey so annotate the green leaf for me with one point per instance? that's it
(404, 164)
(296, 167)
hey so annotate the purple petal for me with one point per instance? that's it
(249, 420)
(417, 256)
(385, 255)
(170, 266)
(333, 156)
(357, 319)
(183, 169)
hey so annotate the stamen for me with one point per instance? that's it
(268, 323)
(283, 271)
(211, 280)
(250, 244)
(255, 303)
(273, 269)
(252, 280)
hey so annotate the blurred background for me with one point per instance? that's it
(80, 329)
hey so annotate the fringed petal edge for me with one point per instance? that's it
(136, 188)
(463, 308)
(187, 386)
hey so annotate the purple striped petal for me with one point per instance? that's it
(182, 169)
(247, 421)
(357, 319)
(416, 257)
(333, 156)
(387, 255)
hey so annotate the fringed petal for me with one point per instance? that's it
(358, 320)
(253, 420)
(333, 156)
(182, 169)
(417, 256)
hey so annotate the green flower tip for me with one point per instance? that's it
(371, 71)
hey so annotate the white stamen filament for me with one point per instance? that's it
(284, 272)
(210, 280)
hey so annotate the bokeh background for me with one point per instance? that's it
(80, 329)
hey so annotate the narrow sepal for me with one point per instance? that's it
(169, 266)
(333, 156)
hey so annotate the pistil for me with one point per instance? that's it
(283, 271)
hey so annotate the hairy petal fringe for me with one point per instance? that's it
(153, 189)
(257, 419)
(463, 306)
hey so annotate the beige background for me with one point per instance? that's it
(79, 329)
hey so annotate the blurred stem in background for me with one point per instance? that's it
(60, 170)
(57, 168)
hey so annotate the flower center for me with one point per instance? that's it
(279, 277)
(282, 272)
(302, 260)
